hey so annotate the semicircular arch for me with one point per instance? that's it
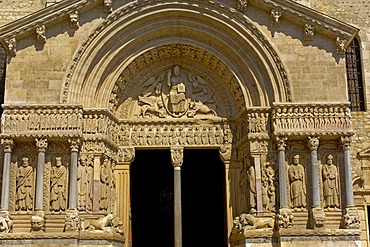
(231, 48)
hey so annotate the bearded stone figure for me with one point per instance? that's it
(24, 189)
(330, 184)
(58, 178)
(296, 174)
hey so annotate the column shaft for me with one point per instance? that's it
(315, 180)
(72, 203)
(282, 179)
(39, 204)
(5, 184)
(348, 177)
(177, 209)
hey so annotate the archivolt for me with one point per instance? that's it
(117, 45)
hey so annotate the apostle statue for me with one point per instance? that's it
(58, 177)
(24, 189)
(330, 184)
(296, 174)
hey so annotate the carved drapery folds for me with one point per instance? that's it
(307, 120)
(107, 185)
(176, 93)
(28, 121)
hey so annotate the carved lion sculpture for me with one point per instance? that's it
(102, 223)
(246, 222)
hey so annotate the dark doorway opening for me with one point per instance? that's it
(152, 199)
(203, 199)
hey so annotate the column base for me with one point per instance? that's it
(317, 218)
(72, 220)
(284, 218)
(38, 221)
(350, 218)
(6, 222)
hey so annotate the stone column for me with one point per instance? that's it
(225, 155)
(72, 220)
(258, 173)
(38, 217)
(284, 218)
(350, 218)
(177, 157)
(126, 156)
(317, 213)
(4, 214)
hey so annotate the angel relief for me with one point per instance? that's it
(175, 93)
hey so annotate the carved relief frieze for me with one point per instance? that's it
(333, 119)
(253, 124)
(28, 121)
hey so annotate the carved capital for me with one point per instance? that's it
(8, 145)
(177, 156)
(74, 144)
(126, 154)
(225, 153)
(72, 221)
(281, 142)
(313, 142)
(346, 141)
(41, 144)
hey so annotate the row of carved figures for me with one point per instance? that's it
(297, 189)
(56, 182)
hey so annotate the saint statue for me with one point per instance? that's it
(82, 183)
(104, 184)
(297, 183)
(252, 187)
(58, 178)
(24, 179)
(330, 184)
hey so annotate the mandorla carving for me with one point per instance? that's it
(175, 93)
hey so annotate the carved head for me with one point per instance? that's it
(330, 159)
(25, 161)
(296, 159)
(58, 161)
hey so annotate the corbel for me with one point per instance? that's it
(309, 32)
(275, 17)
(242, 5)
(108, 6)
(340, 44)
(74, 18)
(40, 33)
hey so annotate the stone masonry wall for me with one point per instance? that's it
(12, 10)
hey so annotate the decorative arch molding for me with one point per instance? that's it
(128, 34)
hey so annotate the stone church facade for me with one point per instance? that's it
(96, 93)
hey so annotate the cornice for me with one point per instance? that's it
(48, 16)
(297, 13)
(302, 15)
